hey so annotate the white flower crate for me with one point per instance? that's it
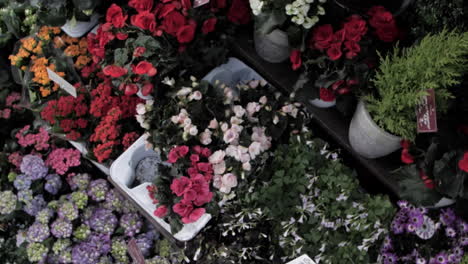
(122, 170)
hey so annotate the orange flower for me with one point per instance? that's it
(23, 53)
(55, 87)
(44, 91)
(72, 51)
(29, 43)
(82, 61)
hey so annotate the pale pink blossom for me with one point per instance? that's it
(184, 91)
(263, 100)
(217, 181)
(246, 166)
(175, 119)
(193, 130)
(230, 136)
(213, 124)
(252, 108)
(219, 168)
(228, 181)
(224, 127)
(205, 137)
(140, 109)
(254, 84)
(197, 96)
(231, 151)
(236, 121)
(254, 149)
(239, 111)
(217, 157)
(237, 128)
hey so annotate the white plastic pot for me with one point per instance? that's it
(321, 103)
(304, 259)
(444, 202)
(77, 29)
(367, 138)
(272, 47)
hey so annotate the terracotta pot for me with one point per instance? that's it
(273, 47)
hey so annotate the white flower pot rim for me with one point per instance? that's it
(369, 117)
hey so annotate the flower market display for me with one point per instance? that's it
(233, 131)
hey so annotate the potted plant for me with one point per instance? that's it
(361, 6)
(339, 61)
(282, 25)
(384, 118)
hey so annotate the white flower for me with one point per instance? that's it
(263, 100)
(217, 181)
(149, 102)
(239, 111)
(140, 109)
(310, 22)
(287, 108)
(197, 96)
(236, 121)
(224, 127)
(275, 119)
(169, 81)
(256, 6)
(175, 119)
(230, 136)
(219, 168)
(263, 82)
(254, 149)
(205, 137)
(231, 151)
(185, 121)
(246, 166)
(193, 131)
(213, 124)
(217, 157)
(140, 119)
(184, 91)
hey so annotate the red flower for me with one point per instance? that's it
(161, 211)
(353, 49)
(239, 12)
(355, 28)
(406, 157)
(388, 33)
(463, 163)
(181, 185)
(141, 5)
(183, 208)
(339, 36)
(186, 33)
(337, 85)
(192, 172)
(115, 16)
(139, 51)
(334, 52)
(383, 22)
(209, 25)
(114, 71)
(205, 167)
(217, 4)
(173, 156)
(427, 181)
(295, 58)
(172, 22)
(206, 152)
(405, 144)
(193, 216)
(129, 138)
(147, 89)
(145, 67)
(103, 151)
(326, 95)
(322, 37)
(144, 20)
(162, 11)
(121, 36)
(186, 4)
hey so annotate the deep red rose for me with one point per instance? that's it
(334, 52)
(130, 89)
(172, 22)
(114, 71)
(115, 16)
(322, 37)
(388, 33)
(141, 5)
(376, 9)
(121, 36)
(239, 12)
(183, 208)
(186, 4)
(406, 157)
(139, 51)
(161, 211)
(147, 89)
(144, 67)
(355, 28)
(327, 95)
(186, 33)
(295, 59)
(165, 10)
(353, 49)
(144, 20)
(463, 163)
(193, 216)
(209, 25)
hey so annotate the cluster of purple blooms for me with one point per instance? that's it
(433, 241)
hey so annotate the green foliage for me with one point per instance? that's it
(437, 62)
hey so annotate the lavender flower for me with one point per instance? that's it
(102, 242)
(145, 242)
(61, 228)
(7, 202)
(53, 184)
(80, 199)
(114, 201)
(463, 227)
(450, 232)
(441, 258)
(82, 232)
(420, 261)
(119, 250)
(38, 232)
(44, 215)
(458, 251)
(464, 241)
(103, 221)
(131, 223)
(34, 167)
(22, 182)
(389, 258)
(65, 256)
(447, 216)
(128, 207)
(79, 181)
(36, 205)
(25, 196)
(60, 245)
(97, 190)
(85, 253)
(36, 252)
(68, 211)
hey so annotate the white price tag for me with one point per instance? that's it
(304, 259)
(61, 82)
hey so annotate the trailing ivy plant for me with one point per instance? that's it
(437, 62)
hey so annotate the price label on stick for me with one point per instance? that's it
(426, 113)
(62, 82)
(304, 259)
(135, 252)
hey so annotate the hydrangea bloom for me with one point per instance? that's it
(97, 190)
(36, 252)
(60, 245)
(145, 243)
(65, 256)
(114, 201)
(7, 202)
(37, 204)
(82, 232)
(103, 221)
(38, 232)
(131, 223)
(53, 184)
(61, 159)
(119, 250)
(61, 228)
(79, 181)
(102, 242)
(68, 211)
(25, 196)
(84, 253)
(33, 166)
(44, 215)
(22, 182)
(80, 199)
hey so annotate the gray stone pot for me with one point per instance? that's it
(367, 138)
(273, 47)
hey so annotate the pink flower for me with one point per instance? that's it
(173, 156)
(61, 159)
(217, 181)
(182, 151)
(190, 195)
(246, 166)
(193, 216)
(217, 157)
(254, 149)
(213, 124)
(192, 172)
(239, 111)
(230, 136)
(161, 211)
(253, 107)
(15, 158)
(183, 208)
(228, 181)
(205, 137)
(203, 198)
(181, 185)
(219, 168)
(194, 158)
(204, 167)
(206, 152)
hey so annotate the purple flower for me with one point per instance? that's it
(98, 189)
(61, 228)
(410, 228)
(403, 204)
(38, 232)
(389, 258)
(397, 227)
(114, 201)
(102, 242)
(416, 218)
(458, 251)
(447, 216)
(25, 196)
(441, 258)
(68, 211)
(103, 220)
(131, 223)
(44, 215)
(85, 253)
(22, 182)
(33, 166)
(145, 242)
(79, 181)
(36, 205)
(464, 241)
(387, 244)
(462, 227)
(53, 184)
(450, 232)
(420, 261)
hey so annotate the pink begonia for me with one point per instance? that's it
(13, 97)
(15, 158)
(5, 113)
(39, 140)
(62, 159)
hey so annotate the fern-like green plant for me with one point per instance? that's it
(403, 79)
